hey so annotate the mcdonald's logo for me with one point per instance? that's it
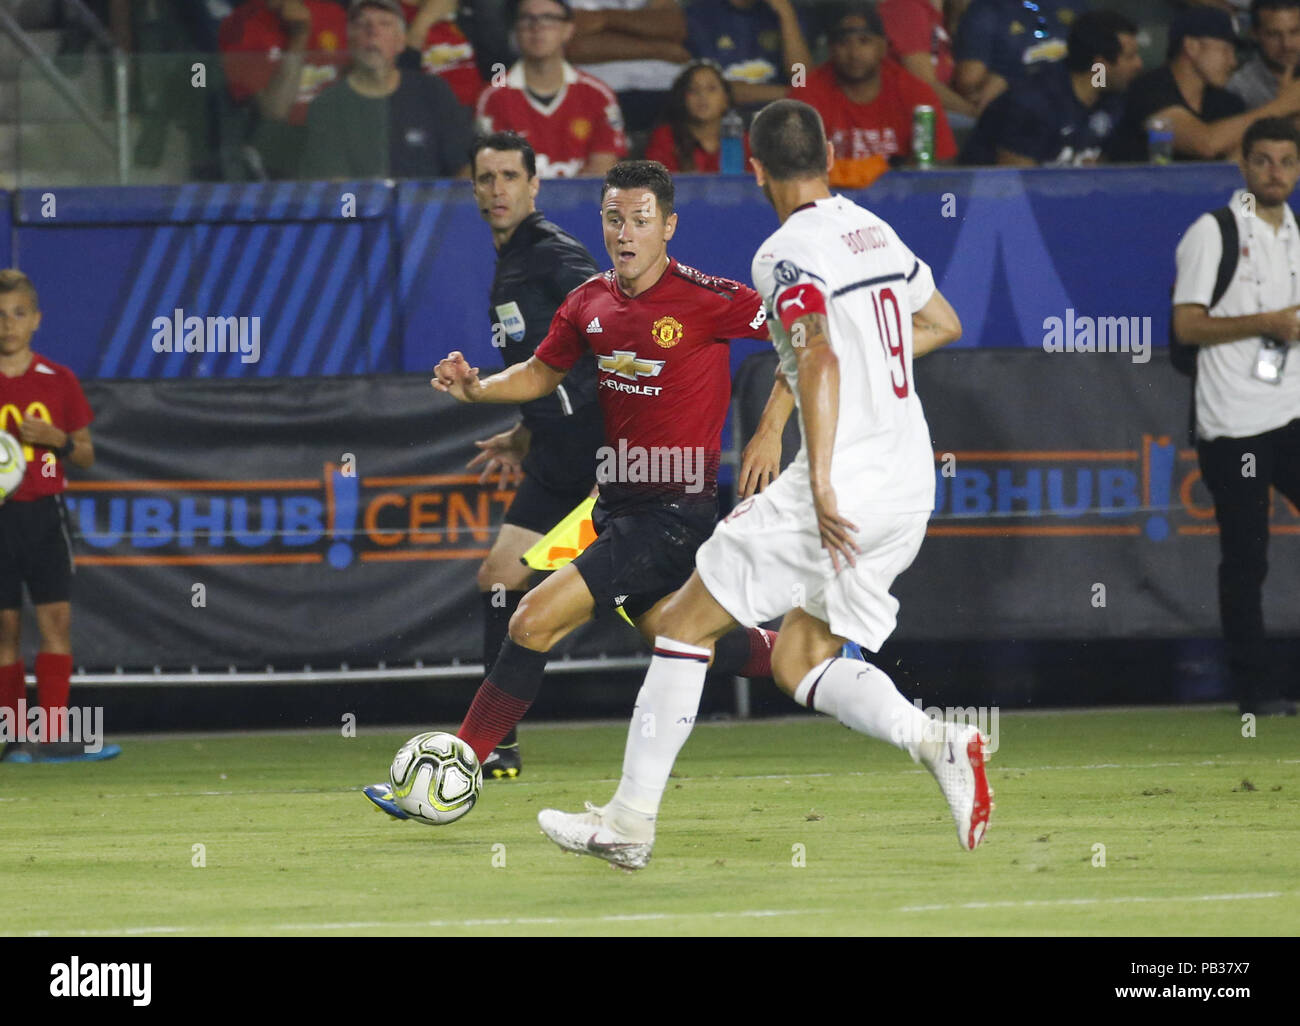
(36, 410)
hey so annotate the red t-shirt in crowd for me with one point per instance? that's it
(50, 392)
(914, 26)
(446, 52)
(252, 40)
(581, 119)
(661, 148)
(882, 127)
(662, 357)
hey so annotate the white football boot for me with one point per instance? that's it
(586, 833)
(957, 762)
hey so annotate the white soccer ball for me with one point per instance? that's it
(13, 465)
(436, 778)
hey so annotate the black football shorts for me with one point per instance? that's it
(643, 553)
(35, 549)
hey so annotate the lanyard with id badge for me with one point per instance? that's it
(1270, 361)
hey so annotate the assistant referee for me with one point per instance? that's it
(1248, 388)
(554, 444)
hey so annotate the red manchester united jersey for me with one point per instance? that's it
(446, 52)
(581, 119)
(662, 360)
(50, 392)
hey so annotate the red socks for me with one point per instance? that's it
(13, 687)
(759, 664)
(492, 715)
(53, 684)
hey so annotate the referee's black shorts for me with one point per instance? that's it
(643, 553)
(35, 549)
(559, 470)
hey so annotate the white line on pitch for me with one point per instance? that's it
(645, 917)
(1092, 901)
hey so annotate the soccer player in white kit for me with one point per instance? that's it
(849, 306)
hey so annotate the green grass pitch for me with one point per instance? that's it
(769, 828)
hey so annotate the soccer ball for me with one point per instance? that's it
(436, 778)
(12, 464)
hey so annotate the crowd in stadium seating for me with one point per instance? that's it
(359, 88)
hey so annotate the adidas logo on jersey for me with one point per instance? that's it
(594, 327)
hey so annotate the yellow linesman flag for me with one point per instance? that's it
(561, 545)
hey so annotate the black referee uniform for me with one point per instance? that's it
(540, 265)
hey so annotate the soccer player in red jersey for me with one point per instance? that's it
(660, 333)
(42, 405)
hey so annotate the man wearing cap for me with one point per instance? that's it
(380, 121)
(865, 100)
(1187, 93)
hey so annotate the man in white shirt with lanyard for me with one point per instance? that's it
(1248, 389)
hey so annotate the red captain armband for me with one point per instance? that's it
(798, 301)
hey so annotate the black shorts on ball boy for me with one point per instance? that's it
(643, 552)
(34, 550)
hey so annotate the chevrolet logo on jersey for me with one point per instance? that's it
(626, 364)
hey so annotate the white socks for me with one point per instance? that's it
(661, 722)
(863, 698)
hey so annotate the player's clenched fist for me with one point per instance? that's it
(456, 377)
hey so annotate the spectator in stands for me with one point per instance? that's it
(919, 40)
(281, 54)
(759, 44)
(1000, 41)
(690, 137)
(1067, 112)
(1247, 391)
(436, 45)
(571, 119)
(636, 47)
(1275, 25)
(381, 121)
(1187, 94)
(865, 100)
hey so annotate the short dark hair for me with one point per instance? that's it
(1260, 6)
(642, 174)
(504, 141)
(1096, 34)
(834, 13)
(512, 9)
(787, 137)
(1272, 130)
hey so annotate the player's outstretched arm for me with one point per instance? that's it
(819, 399)
(760, 463)
(521, 383)
(934, 325)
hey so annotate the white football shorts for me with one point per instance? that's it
(766, 558)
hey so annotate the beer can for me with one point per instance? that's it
(923, 135)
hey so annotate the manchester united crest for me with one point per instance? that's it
(667, 332)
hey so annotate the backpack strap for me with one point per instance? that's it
(1231, 252)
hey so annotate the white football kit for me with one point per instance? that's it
(766, 557)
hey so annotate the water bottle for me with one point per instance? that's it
(733, 144)
(1160, 141)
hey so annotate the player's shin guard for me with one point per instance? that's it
(53, 685)
(863, 698)
(503, 698)
(744, 652)
(661, 723)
